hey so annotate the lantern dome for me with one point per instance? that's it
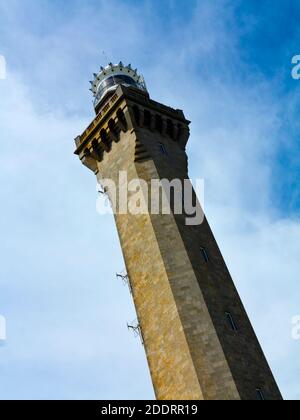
(113, 75)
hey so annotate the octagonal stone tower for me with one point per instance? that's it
(198, 339)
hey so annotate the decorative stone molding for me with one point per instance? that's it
(124, 112)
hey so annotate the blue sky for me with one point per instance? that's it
(228, 65)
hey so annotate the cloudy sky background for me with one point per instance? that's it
(227, 64)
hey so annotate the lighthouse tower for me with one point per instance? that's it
(198, 339)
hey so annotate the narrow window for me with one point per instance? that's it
(136, 113)
(170, 128)
(163, 149)
(260, 395)
(231, 322)
(147, 118)
(205, 255)
(158, 123)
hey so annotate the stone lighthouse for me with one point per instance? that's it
(199, 342)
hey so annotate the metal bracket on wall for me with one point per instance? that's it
(136, 329)
(104, 193)
(125, 279)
